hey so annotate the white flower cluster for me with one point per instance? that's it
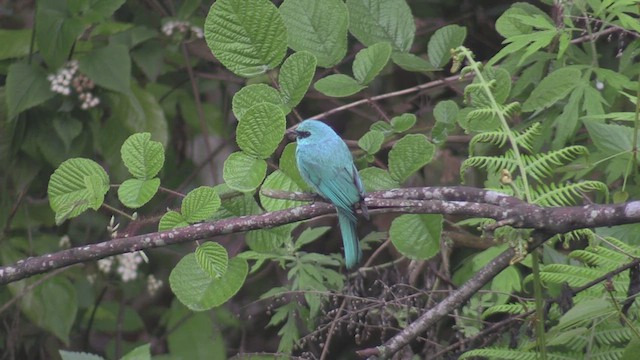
(153, 285)
(181, 26)
(105, 264)
(68, 78)
(128, 268)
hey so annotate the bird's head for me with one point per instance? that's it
(313, 130)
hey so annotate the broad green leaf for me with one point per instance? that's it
(15, 43)
(76, 185)
(382, 126)
(109, 67)
(52, 305)
(27, 86)
(261, 130)
(371, 141)
(510, 23)
(110, 316)
(254, 94)
(244, 172)
(374, 21)
(172, 220)
(505, 283)
(198, 291)
(375, 179)
(278, 180)
(556, 86)
(269, 240)
(310, 235)
(317, 26)
(370, 61)
(212, 258)
(295, 77)
(200, 204)
(402, 123)
(411, 62)
(74, 355)
(409, 154)
(95, 10)
(338, 85)
(443, 41)
(289, 166)
(134, 193)
(567, 122)
(446, 112)
(56, 31)
(149, 57)
(631, 350)
(195, 335)
(248, 37)
(142, 156)
(417, 236)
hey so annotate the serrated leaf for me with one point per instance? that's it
(295, 77)
(338, 85)
(200, 204)
(212, 258)
(417, 236)
(411, 62)
(409, 154)
(289, 166)
(76, 355)
(134, 193)
(56, 31)
(27, 86)
(254, 94)
(375, 179)
(317, 26)
(142, 156)
(75, 186)
(442, 41)
(509, 24)
(198, 291)
(172, 220)
(243, 172)
(402, 123)
(248, 37)
(446, 112)
(552, 88)
(374, 21)
(278, 180)
(109, 67)
(370, 61)
(371, 141)
(261, 130)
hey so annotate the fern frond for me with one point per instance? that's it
(511, 110)
(621, 246)
(525, 138)
(496, 138)
(489, 163)
(565, 194)
(606, 353)
(540, 166)
(575, 235)
(618, 335)
(511, 354)
(601, 257)
(512, 309)
(573, 275)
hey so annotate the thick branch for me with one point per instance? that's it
(441, 200)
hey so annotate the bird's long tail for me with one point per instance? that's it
(352, 251)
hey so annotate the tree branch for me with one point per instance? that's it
(457, 200)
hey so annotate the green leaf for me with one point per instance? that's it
(443, 41)
(109, 67)
(317, 26)
(409, 154)
(375, 179)
(74, 355)
(370, 61)
(631, 350)
(295, 77)
(56, 31)
(374, 21)
(261, 130)
(76, 185)
(27, 86)
(142, 156)
(554, 87)
(446, 112)
(411, 62)
(269, 240)
(200, 204)
(254, 94)
(289, 166)
(244, 172)
(403, 122)
(212, 258)
(371, 141)
(96, 10)
(338, 85)
(172, 220)
(198, 291)
(278, 180)
(15, 43)
(417, 236)
(510, 23)
(248, 37)
(134, 193)
(310, 235)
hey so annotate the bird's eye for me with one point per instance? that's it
(302, 134)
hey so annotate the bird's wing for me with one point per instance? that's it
(336, 184)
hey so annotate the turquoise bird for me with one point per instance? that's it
(326, 164)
